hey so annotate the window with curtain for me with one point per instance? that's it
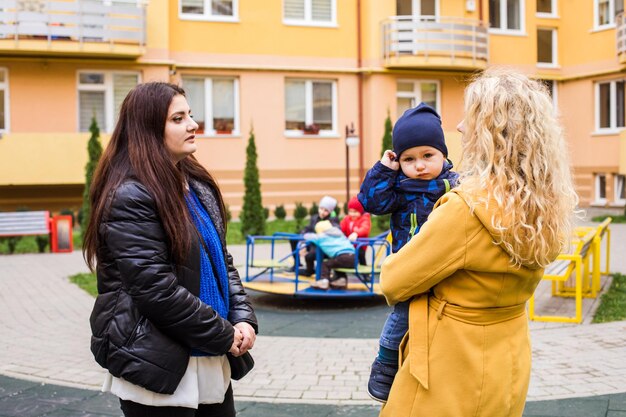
(546, 6)
(100, 95)
(600, 188)
(3, 99)
(410, 93)
(209, 9)
(310, 106)
(214, 104)
(610, 105)
(309, 11)
(506, 15)
(606, 10)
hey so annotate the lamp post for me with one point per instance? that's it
(352, 140)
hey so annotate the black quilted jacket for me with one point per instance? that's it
(147, 315)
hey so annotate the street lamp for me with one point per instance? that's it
(352, 140)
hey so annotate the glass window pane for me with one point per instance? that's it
(403, 104)
(222, 7)
(605, 105)
(619, 6)
(544, 46)
(223, 105)
(294, 105)
(91, 78)
(2, 75)
(323, 105)
(494, 14)
(91, 103)
(603, 12)
(294, 9)
(427, 7)
(619, 103)
(544, 6)
(122, 84)
(620, 188)
(193, 6)
(602, 186)
(429, 94)
(194, 89)
(513, 14)
(321, 10)
(2, 112)
(404, 7)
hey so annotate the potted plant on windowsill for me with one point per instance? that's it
(222, 128)
(312, 129)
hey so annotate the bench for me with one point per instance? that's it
(561, 270)
(602, 231)
(24, 223)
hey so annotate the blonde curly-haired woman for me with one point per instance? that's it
(480, 256)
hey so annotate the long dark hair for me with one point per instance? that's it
(137, 149)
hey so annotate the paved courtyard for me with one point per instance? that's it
(311, 357)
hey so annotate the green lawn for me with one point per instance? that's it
(616, 219)
(613, 302)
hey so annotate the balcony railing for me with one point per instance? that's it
(63, 23)
(435, 41)
(620, 33)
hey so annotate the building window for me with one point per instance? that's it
(506, 15)
(310, 107)
(610, 105)
(4, 101)
(310, 12)
(209, 9)
(600, 189)
(552, 91)
(605, 12)
(410, 93)
(214, 103)
(546, 7)
(417, 7)
(100, 95)
(546, 47)
(620, 189)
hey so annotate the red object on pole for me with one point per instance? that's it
(61, 239)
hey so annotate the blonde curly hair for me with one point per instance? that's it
(513, 148)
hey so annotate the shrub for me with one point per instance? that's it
(266, 213)
(43, 241)
(314, 209)
(252, 215)
(280, 212)
(299, 214)
(228, 213)
(94, 149)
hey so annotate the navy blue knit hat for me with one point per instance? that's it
(419, 126)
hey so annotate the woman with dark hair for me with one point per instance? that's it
(170, 302)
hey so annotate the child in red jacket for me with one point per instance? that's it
(356, 224)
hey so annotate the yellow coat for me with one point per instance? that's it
(467, 352)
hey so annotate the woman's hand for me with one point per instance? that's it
(249, 337)
(237, 340)
(390, 160)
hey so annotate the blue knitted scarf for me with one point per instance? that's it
(212, 264)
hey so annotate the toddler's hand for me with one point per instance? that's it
(353, 236)
(390, 160)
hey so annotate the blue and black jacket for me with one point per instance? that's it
(409, 200)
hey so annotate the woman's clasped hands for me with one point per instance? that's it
(243, 339)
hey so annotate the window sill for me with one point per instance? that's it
(506, 32)
(544, 65)
(204, 18)
(307, 23)
(547, 16)
(607, 132)
(602, 28)
(235, 135)
(299, 135)
(598, 203)
(618, 203)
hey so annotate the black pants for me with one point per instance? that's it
(225, 409)
(309, 257)
(345, 260)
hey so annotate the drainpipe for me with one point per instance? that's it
(360, 87)
(480, 10)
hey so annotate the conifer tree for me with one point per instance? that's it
(94, 149)
(383, 220)
(252, 213)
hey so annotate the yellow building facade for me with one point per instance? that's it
(299, 73)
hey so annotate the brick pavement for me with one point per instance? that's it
(45, 337)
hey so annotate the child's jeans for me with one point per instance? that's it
(396, 326)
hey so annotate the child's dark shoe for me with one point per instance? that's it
(381, 378)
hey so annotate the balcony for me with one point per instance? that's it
(620, 33)
(435, 42)
(84, 28)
